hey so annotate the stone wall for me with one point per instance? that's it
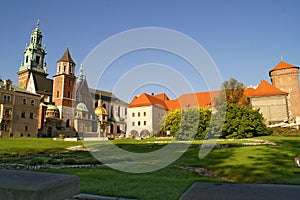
(287, 80)
(274, 108)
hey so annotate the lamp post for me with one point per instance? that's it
(101, 114)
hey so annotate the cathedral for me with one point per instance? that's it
(67, 103)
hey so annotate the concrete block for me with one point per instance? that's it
(17, 185)
(232, 191)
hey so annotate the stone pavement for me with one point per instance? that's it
(15, 185)
(82, 196)
(231, 191)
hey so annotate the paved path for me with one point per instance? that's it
(231, 191)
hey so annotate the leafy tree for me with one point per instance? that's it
(171, 121)
(240, 122)
(188, 123)
(232, 92)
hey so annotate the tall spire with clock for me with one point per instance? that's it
(34, 58)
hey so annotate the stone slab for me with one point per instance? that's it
(15, 185)
(231, 191)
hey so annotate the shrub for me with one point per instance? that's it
(34, 162)
(69, 161)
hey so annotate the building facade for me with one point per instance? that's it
(67, 103)
(19, 111)
(271, 102)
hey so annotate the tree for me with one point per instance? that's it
(240, 122)
(232, 92)
(171, 121)
(187, 124)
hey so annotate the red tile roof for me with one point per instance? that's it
(162, 96)
(147, 100)
(200, 99)
(283, 65)
(264, 89)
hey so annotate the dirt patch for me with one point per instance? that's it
(205, 172)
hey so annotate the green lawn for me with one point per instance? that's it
(239, 163)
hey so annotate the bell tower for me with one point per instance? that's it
(34, 58)
(64, 94)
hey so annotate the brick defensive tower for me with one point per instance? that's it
(285, 76)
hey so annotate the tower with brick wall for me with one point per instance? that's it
(285, 76)
(34, 59)
(64, 95)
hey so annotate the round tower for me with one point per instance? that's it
(285, 76)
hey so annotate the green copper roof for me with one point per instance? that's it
(52, 107)
(82, 107)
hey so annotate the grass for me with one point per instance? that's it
(239, 163)
(24, 146)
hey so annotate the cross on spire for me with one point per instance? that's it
(38, 23)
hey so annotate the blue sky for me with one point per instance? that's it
(245, 39)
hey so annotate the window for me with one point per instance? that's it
(21, 135)
(32, 102)
(69, 94)
(37, 59)
(132, 114)
(4, 127)
(26, 128)
(144, 113)
(139, 114)
(23, 114)
(57, 94)
(24, 101)
(6, 98)
(31, 115)
(6, 112)
(64, 68)
(28, 135)
(69, 82)
(139, 123)
(133, 124)
(26, 60)
(70, 69)
(145, 123)
(58, 71)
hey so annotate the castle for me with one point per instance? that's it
(278, 102)
(62, 106)
(43, 107)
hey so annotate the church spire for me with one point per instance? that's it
(80, 76)
(34, 54)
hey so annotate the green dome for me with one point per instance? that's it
(115, 119)
(82, 107)
(52, 107)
